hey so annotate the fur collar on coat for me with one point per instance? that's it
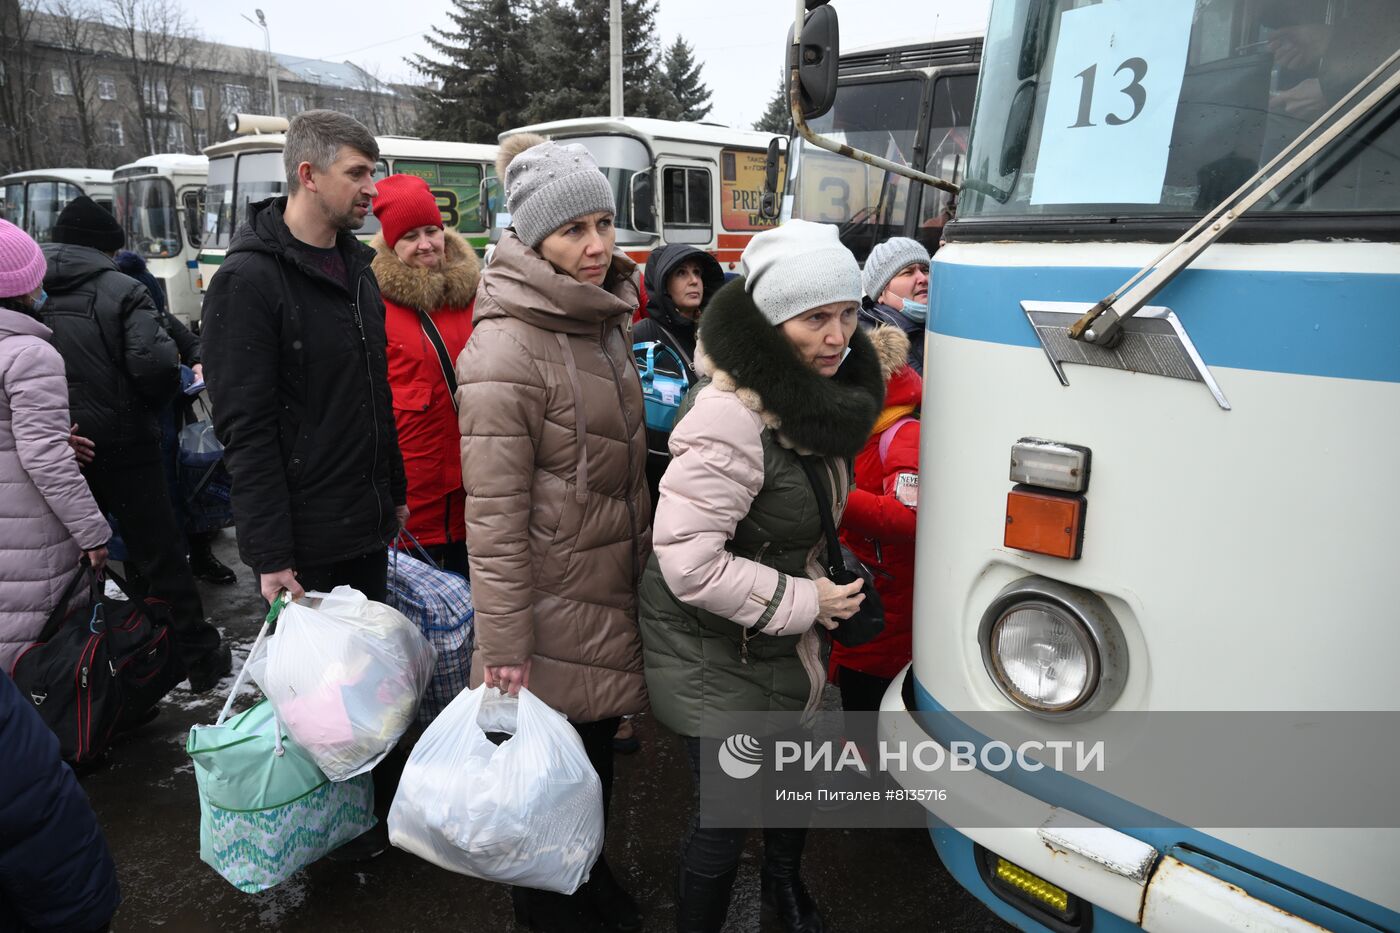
(451, 285)
(813, 414)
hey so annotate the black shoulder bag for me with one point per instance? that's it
(445, 361)
(869, 619)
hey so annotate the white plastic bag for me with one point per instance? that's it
(345, 675)
(528, 812)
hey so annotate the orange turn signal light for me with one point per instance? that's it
(1045, 523)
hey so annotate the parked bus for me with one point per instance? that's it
(674, 182)
(1161, 380)
(910, 103)
(157, 201)
(247, 169)
(33, 200)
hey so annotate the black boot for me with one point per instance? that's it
(550, 912)
(610, 900)
(703, 902)
(783, 892)
(205, 565)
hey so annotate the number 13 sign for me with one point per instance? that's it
(1113, 93)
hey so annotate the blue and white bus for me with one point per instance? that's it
(1176, 256)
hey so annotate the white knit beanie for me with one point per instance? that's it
(799, 266)
(549, 185)
(887, 260)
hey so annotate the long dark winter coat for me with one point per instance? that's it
(729, 598)
(122, 366)
(297, 374)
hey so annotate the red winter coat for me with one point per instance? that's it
(879, 529)
(423, 411)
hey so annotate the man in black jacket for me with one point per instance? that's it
(294, 353)
(122, 369)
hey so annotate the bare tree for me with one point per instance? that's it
(20, 100)
(77, 35)
(154, 40)
(373, 90)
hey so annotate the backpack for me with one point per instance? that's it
(664, 382)
(97, 670)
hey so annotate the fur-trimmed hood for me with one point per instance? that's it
(813, 414)
(451, 285)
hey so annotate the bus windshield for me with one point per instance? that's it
(878, 116)
(218, 203)
(260, 176)
(146, 210)
(1111, 108)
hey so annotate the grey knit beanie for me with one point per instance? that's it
(548, 185)
(887, 259)
(797, 267)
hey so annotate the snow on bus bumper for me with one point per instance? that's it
(1104, 867)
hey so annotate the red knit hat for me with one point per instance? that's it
(402, 203)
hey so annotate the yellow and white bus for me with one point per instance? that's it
(33, 200)
(157, 201)
(248, 169)
(674, 182)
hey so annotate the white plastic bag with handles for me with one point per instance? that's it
(345, 675)
(528, 812)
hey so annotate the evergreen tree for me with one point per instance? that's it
(683, 77)
(778, 117)
(480, 69)
(568, 69)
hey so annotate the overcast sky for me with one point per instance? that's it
(738, 41)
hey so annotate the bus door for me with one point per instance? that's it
(687, 187)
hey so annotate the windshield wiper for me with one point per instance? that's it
(1102, 324)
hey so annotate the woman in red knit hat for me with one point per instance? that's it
(428, 277)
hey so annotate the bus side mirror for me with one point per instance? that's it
(772, 172)
(1036, 39)
(488, 201)
(1018, 129)
(194, 216)
(641, 203)
(817, 60)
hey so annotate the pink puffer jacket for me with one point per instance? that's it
(47, 514)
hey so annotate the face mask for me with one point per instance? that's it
(39, 302)
(916, 311)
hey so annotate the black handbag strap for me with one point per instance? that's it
(833, 543)
(444, 360)
(84, 577)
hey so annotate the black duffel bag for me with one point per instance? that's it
(98, 669)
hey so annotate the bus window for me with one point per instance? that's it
(1235, 82)
(686, 205)
(46, 199)
(12, 204)
(947, 151)
(457, 187)
(261, 175)
(882, 117)
(146, 211)
(218, 203)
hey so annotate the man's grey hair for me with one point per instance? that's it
(316, 136)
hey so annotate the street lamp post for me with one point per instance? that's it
(271, 62)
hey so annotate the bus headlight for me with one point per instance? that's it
(1053, 649)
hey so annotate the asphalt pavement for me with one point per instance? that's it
(864, 880)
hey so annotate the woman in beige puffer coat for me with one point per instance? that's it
(49, 518)
(554, 467)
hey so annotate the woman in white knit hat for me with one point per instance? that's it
(554, 467)
(895, 279)
(735, 593)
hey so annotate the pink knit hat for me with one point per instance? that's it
(22, 263)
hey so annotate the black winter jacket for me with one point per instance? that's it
(122, 366)
(299, 382)
(668, 326)
(188, 343)
(55, 870)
